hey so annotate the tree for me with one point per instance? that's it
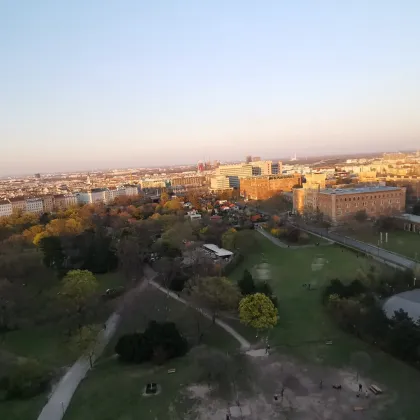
(173, 205)
(247, 284)
(257, 311)
(84, 341)
(159, 342)
(361, 216)
(245, 241)
(228, 239)
(53, 252)
(7, 306)
(78, 287)
(215, 293)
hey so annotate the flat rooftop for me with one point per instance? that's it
(220, 252)
(360, 190)
(410, 218)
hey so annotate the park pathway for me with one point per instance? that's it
(245, 344)
(376, 252)
(281, 244)
(60, 398)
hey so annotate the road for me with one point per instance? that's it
(61, 396)
(376, 252)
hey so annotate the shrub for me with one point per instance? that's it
(26, 379)
(177, 284)
(264, 288)
(159, 342)
(247, 284)
(232, 264)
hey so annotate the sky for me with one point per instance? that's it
(88, 84)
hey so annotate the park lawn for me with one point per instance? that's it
(112, 390)
(304, 326)
(399, 241)
(49, 345)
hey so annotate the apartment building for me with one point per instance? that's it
(84, 197)
(264, 187)
(70, 200)
(131, 190)
(34, 205)
(6, 208)
(48, 203)
(341, 204)
(18, 203)
(198, 180)
(59, 202)
(152, 183)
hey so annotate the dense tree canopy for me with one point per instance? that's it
(215, 293)
(257, 311)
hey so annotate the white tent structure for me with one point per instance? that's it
(407, 301)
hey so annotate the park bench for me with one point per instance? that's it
(375, 389)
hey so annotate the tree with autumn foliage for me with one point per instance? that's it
(257, 311)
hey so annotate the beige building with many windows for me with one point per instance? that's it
(219, 183)
(6, 208)
(34, 205)
(339, 205)
(18, 203)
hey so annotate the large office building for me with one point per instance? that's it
(244, 170)
(219, 183)
(339, 205)
(265, 186)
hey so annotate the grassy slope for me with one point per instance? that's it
(399, 241)
(47, 344)
(113, 390)
(304, 327)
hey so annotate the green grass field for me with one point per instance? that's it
(49, 345)
(304, 327)
(399, 241)
(114, 390)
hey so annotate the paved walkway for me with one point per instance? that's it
(376, 252)
(245, 344)
(281, 244)
(60, 398)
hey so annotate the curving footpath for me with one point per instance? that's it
(245, 344)
(60, 398)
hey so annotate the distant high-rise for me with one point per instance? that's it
(200, 166)
(255, 159)
(248, 159)
(38, 176)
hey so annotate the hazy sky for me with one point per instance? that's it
(96, 83)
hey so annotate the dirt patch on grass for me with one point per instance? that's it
(281, 388)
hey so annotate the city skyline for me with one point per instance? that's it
(102, 85)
